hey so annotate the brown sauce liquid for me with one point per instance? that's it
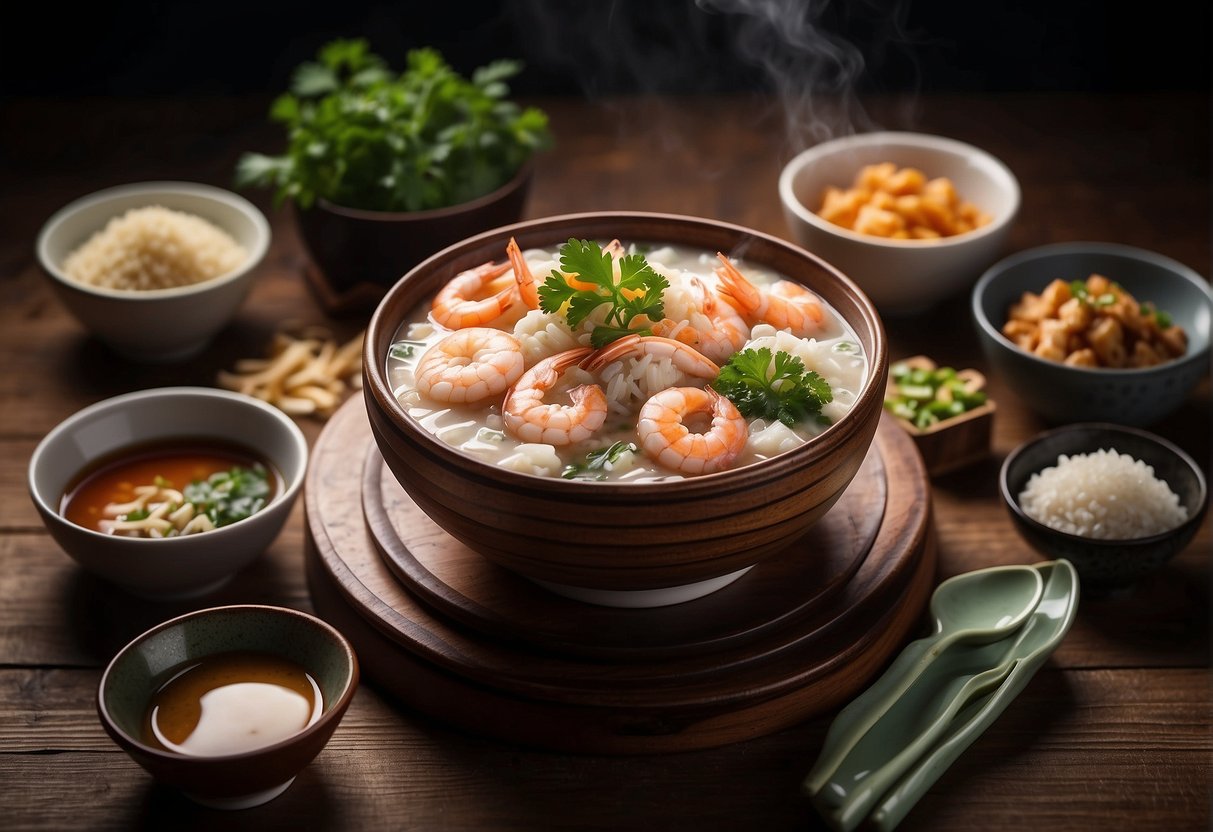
(114, 479)
(238, 716)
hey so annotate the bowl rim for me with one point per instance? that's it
(1127, 252)
(871, 394)
(152, 188)
(289, 492)
(524, 173)
(1012, 500)
(1004, 177)
(327, 715)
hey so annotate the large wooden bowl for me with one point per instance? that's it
(625, 536)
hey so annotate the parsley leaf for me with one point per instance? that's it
(637, 294)
(773, 388)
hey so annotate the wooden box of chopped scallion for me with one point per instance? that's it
(945, 410)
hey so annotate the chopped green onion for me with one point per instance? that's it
(405, 349)
(925, 397)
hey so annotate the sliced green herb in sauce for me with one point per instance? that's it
(229, 496)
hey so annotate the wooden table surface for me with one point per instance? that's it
(1114, 733)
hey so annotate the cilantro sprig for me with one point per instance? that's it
(364, 136)
(636, 294)
(773, 388)
(228, 496)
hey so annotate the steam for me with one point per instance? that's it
(814, 72)
(793, 48)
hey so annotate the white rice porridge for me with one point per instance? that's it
(833, 351)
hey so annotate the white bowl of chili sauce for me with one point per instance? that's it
(168, 492)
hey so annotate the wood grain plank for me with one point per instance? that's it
(1119, 741)
(16, 509)
(56, 614)
(84, 370)
(385, 766)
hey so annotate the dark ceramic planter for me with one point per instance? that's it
(357, 255)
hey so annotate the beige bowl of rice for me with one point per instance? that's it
(154, 269)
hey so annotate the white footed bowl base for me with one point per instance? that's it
(644, 598)
(245, 801)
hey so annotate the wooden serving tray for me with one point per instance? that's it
(458, 584)
(458, 638)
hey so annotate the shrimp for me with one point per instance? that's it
(528, 289)
(469, 365)
(727, 331)
(677, 330)
(667, 440)
(615, 249)
(529, 419)
(786, 305)
(528, 286)
(684, 357)
(456, 307)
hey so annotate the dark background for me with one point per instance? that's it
(598, 47)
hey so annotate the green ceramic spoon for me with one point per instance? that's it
(908, 728)
(1039, 638)
(974, 608)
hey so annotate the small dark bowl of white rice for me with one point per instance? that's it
(1117, 502)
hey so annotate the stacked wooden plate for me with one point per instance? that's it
(458, 638)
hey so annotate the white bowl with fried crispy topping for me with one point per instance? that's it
(902, 276)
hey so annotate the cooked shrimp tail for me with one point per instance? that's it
(456, 306)
(528, 418)
(615, 249)
(470, 365)
(667, 439)
(786, 305)
(528, 288)
(726, 331)
(736, 288)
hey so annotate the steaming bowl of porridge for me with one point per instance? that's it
(651, 529)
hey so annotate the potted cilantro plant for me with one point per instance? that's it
(386, 168)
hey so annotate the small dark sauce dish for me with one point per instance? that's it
(1106, 566)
